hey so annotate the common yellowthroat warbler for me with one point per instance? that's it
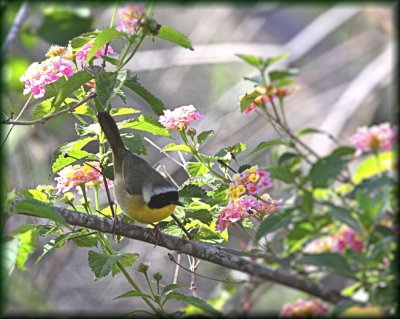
(142, 193)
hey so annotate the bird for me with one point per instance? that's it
(142, 193)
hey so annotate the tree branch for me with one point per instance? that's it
(214, 254)
(49, 117)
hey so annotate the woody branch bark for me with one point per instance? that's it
(214, 254)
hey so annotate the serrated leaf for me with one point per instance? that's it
(369, 167)
(237, 148)
(53, 244)
(155, 103)
(40, 209)
(84, 239)
(196, 168)
(35, 194)
(132, 293)
(103, 37)
(289, 159)
(273, 222)
(105, 83)
(79, 42)
(333, 261)
(74, 82)
(281, 174)
(101, 264)
(177, 147)
(91, 129)
(174, 36)
(250, 59)
(62, 161)
(194, 301)
(192, 191)
(134, 143)
(203, 136)
(343, 151)
(267, 144)
(85, 109)
(43, 109)
(126, 260)
(146, 123)
(326, 170)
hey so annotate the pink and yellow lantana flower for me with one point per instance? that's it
(180, 118)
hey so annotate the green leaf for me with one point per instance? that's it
(58, 161)
(43, 109)
(309, 130)
(203, 136)
(194, 301)
(174, 36)
(250, 96)
(324, 172)
(35, 194)
(281, 174)
(102, 38)
(27, 245)
(91, 129)
(219, 192)
(53, 245)
(268, 62)
(256, 79)
(79, 42)
(82, 238)
(250, 59)
(134, 143)
(196, 168)
(343, 151)
(237, 148)
(171, 287)
(105, 83)
(202, 215)
(9, 254)
(264, 145)
(369, 167)
(156, 104)
(132, 293)
(343, 215)
(146, 123)
(174, 147)
(123, 111)
(242, 168)
(40, 209)
(273, 222)
(74, 82)
(101, 264)
(85, 109)
(126, 260)
(62, 161)
(192, 191)
(289, 159)
(333, 261)
(283, 74)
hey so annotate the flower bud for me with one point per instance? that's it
(191, 132)
(157, 276)
(68, 198)
(143, 267)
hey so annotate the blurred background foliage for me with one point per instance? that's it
(211, 78)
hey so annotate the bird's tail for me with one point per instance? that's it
(111, 131)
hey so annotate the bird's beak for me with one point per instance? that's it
(178, 203)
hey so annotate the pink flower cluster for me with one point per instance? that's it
(345, 237)
(374, 138)
(180, 118)
(130, 19)
(304, 308)
(242, 204)
(82, 53)
(77, 175)
(38, 75)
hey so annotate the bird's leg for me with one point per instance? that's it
(115, 221)
(156, 233)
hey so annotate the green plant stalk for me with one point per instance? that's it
(112, 22)
(282, 109)
(149, 284)
(199, 158)
(378, 163)
(133, 52)
(108, 247)
(87, 207)
(118, 67)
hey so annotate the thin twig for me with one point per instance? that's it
(176, 273)
(160, 149)
(178, 264)
(49, 117)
